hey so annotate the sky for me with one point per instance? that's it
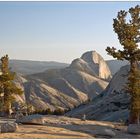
(58, 31)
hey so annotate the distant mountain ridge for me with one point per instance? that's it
(27, 67)
(115, 65)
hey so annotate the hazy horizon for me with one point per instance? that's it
(58, 31)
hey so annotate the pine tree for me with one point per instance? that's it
(7, 86)
(128, 31)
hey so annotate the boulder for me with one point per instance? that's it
(99, 131)
(32, 119)
(133, 129)
(8, 127)
(105, 132)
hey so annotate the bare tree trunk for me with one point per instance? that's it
(134, 113)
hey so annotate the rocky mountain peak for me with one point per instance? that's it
(92, 56)
(92, 63)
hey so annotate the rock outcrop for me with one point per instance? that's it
(32, 119)
(8, 127)
(63, 127)
(94, 64)
(111, 105)
(102, 131)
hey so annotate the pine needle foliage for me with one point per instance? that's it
(7, 85)
(128, 31)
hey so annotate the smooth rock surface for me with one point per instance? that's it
(97, 64)
(63, 127)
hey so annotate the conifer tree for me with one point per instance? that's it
(7, 86)
(128, 31)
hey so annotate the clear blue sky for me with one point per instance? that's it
(57, 31)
